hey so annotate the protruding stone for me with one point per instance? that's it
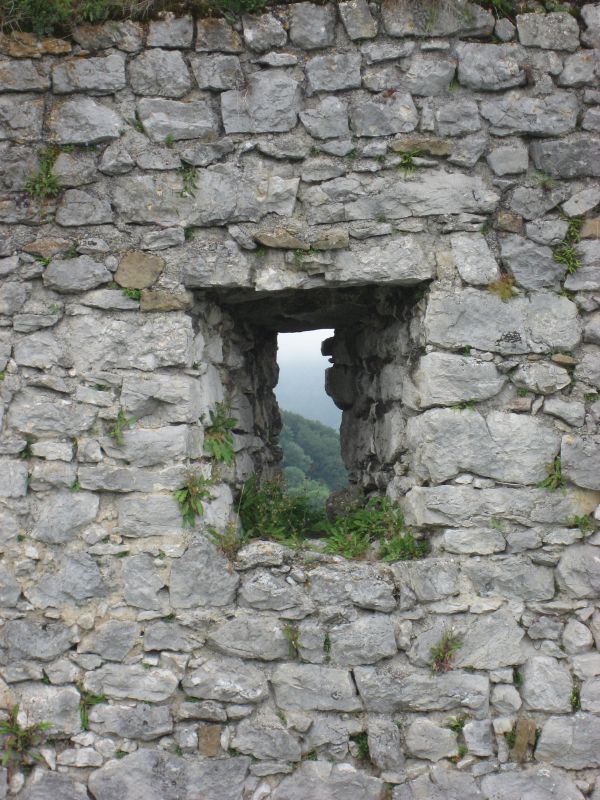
(161, 73)
(84, 121)
(308, 687)
(202, 576)
(556, 31)
(138, 270)
(425, 739)
(382, 115)
(271, 102)
(90, 75)
(312, 26)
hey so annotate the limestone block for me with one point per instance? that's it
(541, 377)
(537, 782)
(572, 412)
(202, 576)
(117, 478)
(124, 34)
(557, 31)
(251, 636)
(13, 478)
(270, 102)
(580, 460)
(579, 69)
(148, 515)
(364, 586)
(425, 739)
(473, 541)
(474, 261)
(492, 641)
(147, 447)
(164, 118)
(357, 19)
(21, 117)
(427, 76)
(385, 749)
(77, 208)
(230, 680)
(263, 32)
(508, 576)
(552, 114)
(399, 261)
(490, 67)
(24, 639)
(591, 16)
(429, 579)
(143, 582)
(12, 297)
(112, 640)
(312, 26)
(217, 72)
(161, 73)
(10, 589)
(265, 738)
(138, 270)
(90, 75)
(162, 398)
(317, 780)
(331, 73)
(532, 265)
(58, 705)
(578, 571)
(60, 516)
(381, 115)
(23, 75)
(267, 592)
(457, 118)
(172, 31)
(405, 18)
(509, 160)
(365, 641)
(546, 685)
(308, 687)
(143, 721)
(132, 681)
(78, 578)
(570, 742)
(327, 120)
(55, 784)
(81, 120)
(577, 158)
(216, 34)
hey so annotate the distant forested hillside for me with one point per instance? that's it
(311, 457)
(301, 388)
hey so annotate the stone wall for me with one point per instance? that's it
(372, 168)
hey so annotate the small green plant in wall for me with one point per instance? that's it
(292, 634)
(407, 164)
(86, 701)
(443, 653)
(218, 439)
(554, 480)
(504, 288)
(191, 497)
(20, 743)
(122, 423)
(44, 183)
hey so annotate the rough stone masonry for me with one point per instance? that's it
(423, 179)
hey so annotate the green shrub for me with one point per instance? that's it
(555, 479)
(218, 440)
(44, 183)
(403, 548)
(18, 747)
(191, 497)
(443, 652)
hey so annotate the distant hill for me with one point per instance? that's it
(311, 455)
(301, 389)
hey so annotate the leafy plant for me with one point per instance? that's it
(169, 139)
(504, 287)
(86, 701)
(268, 509)
(188, 177)
(576, 698)
(18, 747)
(191, 497)
(361, 741)
(27, 452)
(457, 724)
(132, 294)
(122, 423)
(511, 736)
(407, 164)
(44, 183)
(555, 479)
(75, 486)
(230, 541)
(218, 439)
(403, 548)
(292, 634)
(544, 181)
(585, 524)
(444, 651)
(567, 254)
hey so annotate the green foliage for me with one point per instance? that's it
(407, 164)
(26, 452)
(567, 254)
(403, 548)
(292, 634)
(311, 756)
(188, 234)
(18, 747)
(169, 139)
(511, 736)
(544, 181)
(314, 449)
(132, 294)
(555, 479)
(75, 486)
(191, 497)
(44, 183)
(504, 287)
(230, 541)
(576, 698)
(71, 251)
(188, 177)
(122, 423)
(361, 741)
(574, 226)
(86, 701)
(218, 439)
(121, 754)
(586, 524)
(444, 651)
(457, 724)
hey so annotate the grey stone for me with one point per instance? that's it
(90, 75)
(532, 783)
(157, 775)
(531, 203)
(23, 75)
(375, 52)
(591, 331)
(582, 201)
(541, 377)
(490, 67)
(577, 158)
(96, 341)
(580, 460)
(21, 117)
(492, 641)
(82, 120)
(590, 695)
(381, 115)
(10, 589)
(251, 636)
(570, 742)
(132, 681)
(262, 32)
(308, 687)
(264, 737)
(576, 637)
(425, 739)
(506, 699)
(443, 783)
(217, 72)
(142, 583)
(532, 265)
(172, 31)
(365, 641)
(194, 119)
(405, 18)
(427, 76)
(572, 412)
(162, 398)
(357, 19)
(474, 261)
(143, 721)
(327, 120)
(112, 640)
(78, 208)
(230, 680)
(447, 379)
(24, 639)
(504, 30)
(546, 685)
(510, 576)
(385, 749)
(37, 412)
(579, 69)
(75, 274)
(399, 261)
(75, 169)
(116, 160)
(216, 34)
(578, 571)
(201, 155)
(552, 114)
(538, 324)
(60, 516)
(557, 31)
(78, 578)
(168, 636)
(509, 160)
(162, 73)
(333, 72)
(312, 26)
(267, 592)
(126, 35)
(202, 576)
(393, 689)
(270, 102)
(54, 784)
(148, 515)
(478, 737)
(363, 586)
(147, 447)
(457, 118)
(430, 579)
(468, 150)
(511, 448)
(591, 36)
(547, 231)
(12, 297)
(58, 705)
(588, 370)
(473, 541)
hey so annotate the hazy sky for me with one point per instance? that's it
(305, 346)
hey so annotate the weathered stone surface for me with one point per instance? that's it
(357, 19)
(425, 739)
(430, 579)
(382, 115)
(162, 776)
(490, 67)
(442, 783)
(546, 685)
(10, 590)
(58, 521)
(124, 34)
(391, 689)
(132, 681)
(217, 72)
(535, 783)
(143, 721)
(83, 121)
(577, 158)
(553, 114)
(161, 73)
(58, 705)
(580, 460)
(511, 576)
(492, 641)
(29, 639)
(404, 18)
(308, 687)
(148, 515)
(162, 118)
(509, 160)
(333, 72)
(474, 541)
(557, 31)
(508, 447)
(270, 102)
(227, 679)
(571, 412)
(532, 265)
(321, 780)
(365, 641)
(172, 31)
(400, 261)
(138, 270)
(473, 258)
(267, 592)
(202, 576)
(112, 640)
(537, 324)
(572, 743)
(23, 76)
(54, 784)
(427, 76)
(78, 578)
(363, 586)
(21, 117)
(385, 749)
(91, 75)
(327, 120)
(13, 478)
(77, 208)
(541, 377)
(264, 737)
(262, 32)
(578, 571)
(142, 583)
(251, 636)
(312, 26)
(447, 379)
(457, 118)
